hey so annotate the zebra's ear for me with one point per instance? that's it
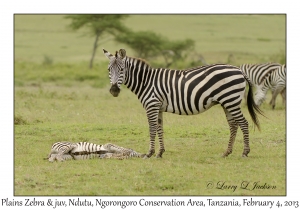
(122, 53)
(107, 54)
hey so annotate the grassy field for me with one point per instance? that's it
(65, 101)
(194, 146)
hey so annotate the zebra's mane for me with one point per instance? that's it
(148, 64)
(179, 70)
(140, 59)
(253, 64)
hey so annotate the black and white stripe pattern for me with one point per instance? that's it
(184, 92)
(276, 81)
(62, 151)
(258, 73)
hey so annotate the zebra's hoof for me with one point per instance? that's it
(102, 156)
(143, 155)
(226, 154)
(244, 155)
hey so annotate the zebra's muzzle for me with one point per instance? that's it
(114, 90)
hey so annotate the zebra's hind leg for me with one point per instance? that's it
(160, 133)
(52, 158)
(243, 123)
(233, 130)
(59, 156)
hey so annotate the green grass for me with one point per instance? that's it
(61, 74)
(57, 98)
(194, 146)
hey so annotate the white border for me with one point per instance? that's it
(8, 8)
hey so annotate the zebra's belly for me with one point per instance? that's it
(188, 109)
(84, 157)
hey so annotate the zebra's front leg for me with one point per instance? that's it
(160, 133)
(152, 115)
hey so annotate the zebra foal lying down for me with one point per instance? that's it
(62, 151)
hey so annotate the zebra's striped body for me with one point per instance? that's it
(83, 150)
(276, 81)
(62, 151)
(258, 73)
(184, 92)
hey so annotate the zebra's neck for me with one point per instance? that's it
(139, 76)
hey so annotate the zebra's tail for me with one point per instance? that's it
(252, 107)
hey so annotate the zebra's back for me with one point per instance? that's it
(62, 147)
(257, 73)
(195, 90)
(87, 147)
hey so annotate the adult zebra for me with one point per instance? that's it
(276, 81)
(257, 73)
(184, 92)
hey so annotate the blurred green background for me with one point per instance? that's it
(218, 38)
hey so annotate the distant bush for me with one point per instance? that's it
(47, 60)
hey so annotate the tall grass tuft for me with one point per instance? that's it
(19, 120)
(47, 60)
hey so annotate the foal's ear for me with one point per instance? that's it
(107, 54)
(122, 53)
